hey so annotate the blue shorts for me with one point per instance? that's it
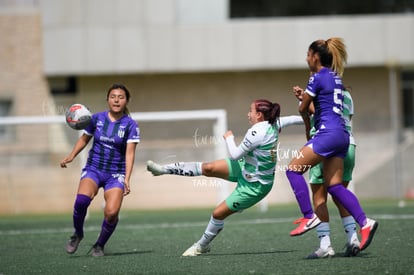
(105, 180)
(330, 143)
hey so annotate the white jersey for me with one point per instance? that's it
(347, 113)
(286, 121)
(258, 148)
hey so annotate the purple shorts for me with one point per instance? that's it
(330, 143)
(105, 180)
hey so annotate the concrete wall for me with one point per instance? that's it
(234, 91)
(22, 80)
(88, 37)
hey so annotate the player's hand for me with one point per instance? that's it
(127, 188)
(65, 161)
(298, 92)
(228, 134)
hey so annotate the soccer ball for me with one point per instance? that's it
(78, 116)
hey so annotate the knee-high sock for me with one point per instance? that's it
(349, 201)
(213, 229)
(79, 213)
(323, 232)
(184, 168)
(301, 191)
(350, 228)
(106, 231)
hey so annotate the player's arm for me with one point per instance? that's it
(236, 152)
(285, 121)
(304, 110)
(129, 164)
(79, 146)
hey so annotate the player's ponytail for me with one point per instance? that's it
(270, 111)
(332, 53)
(337, 49)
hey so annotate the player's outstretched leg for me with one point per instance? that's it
(156, 169)
(178, 168)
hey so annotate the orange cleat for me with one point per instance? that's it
(367, 233)
(305, 225)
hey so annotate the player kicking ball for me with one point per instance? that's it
(251, 165)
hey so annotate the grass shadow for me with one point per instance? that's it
(252, 253)
(109, 254)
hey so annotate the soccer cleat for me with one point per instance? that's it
(155, 168)
(305, 225)
(352, 249)
(298, 220)
(322, 253)
(367, 233)
(196, 250)
(73, 244)
(97, 251)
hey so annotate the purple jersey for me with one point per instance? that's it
(326, 89)
(331, 138)
(109, 142)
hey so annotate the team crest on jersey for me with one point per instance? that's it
(121, 132)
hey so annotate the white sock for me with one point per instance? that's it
(184, 168)
(350, 228)
(323, 231)
(213, 228)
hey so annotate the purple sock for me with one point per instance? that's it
(301, 191)
(79, 213)
(349, 201)
(106, 231)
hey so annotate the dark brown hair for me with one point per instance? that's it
(122, 87)
(270, 111)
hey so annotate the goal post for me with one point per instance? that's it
(219, 116)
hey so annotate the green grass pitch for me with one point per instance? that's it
(151, 242)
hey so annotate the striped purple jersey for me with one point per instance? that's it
(109, 142)
(326, 89)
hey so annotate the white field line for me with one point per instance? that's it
(180, 225)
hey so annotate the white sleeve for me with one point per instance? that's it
(286, 121)
(351, 106)
(236, 152)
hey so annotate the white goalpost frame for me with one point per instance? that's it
(219, 128)
(218, 115)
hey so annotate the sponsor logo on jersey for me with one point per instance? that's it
(311, 80)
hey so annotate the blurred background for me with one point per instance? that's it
(177, 55)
